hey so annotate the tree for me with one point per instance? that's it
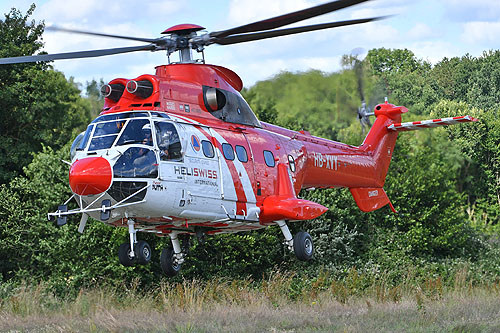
(39, 106)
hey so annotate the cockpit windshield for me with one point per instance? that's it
(150, 137)
(105, 134)
(136, 131)
(133, 128)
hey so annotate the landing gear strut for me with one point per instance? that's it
(135, 252)
(301, 244)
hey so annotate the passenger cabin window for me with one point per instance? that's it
(168, 142)
(228, 151)
(241, 152)
(269, 158)
(208, 148)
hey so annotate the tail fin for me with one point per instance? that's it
(380, 143)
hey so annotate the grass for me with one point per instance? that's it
(281, 303)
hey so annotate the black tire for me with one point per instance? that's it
(168, 266)
(143, 252)
(124, 255)
(303, 246)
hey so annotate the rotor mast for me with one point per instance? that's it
(185, 40)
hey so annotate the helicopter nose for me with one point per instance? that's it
(91, 175)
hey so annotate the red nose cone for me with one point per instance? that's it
(91, 175)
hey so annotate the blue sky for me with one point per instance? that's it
(431, 29)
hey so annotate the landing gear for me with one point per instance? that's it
(301, 244)
(169, 264)
(135, 252)
(141, 254)
(125, 255)
(171, 258)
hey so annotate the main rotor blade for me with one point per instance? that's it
(286, 19)
(76, 55)
(74, 31)
(283, 32)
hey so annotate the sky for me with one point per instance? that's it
(431, 29)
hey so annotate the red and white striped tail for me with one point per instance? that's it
(417, 125)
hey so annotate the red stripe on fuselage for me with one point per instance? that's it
(241, 205)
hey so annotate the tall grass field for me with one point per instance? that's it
(280, 303)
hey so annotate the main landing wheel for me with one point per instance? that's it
(303, 246)
(167, 262)
(125, 255)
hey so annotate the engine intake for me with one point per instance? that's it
(142, 89)
(214, 99)
(113, 91)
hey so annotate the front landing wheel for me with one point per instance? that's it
(143, 252)
(303, 246)
(125, 255)
(168, 263)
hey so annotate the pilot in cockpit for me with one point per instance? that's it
(164, 144)
(147, 136)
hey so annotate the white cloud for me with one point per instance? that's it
(246, 11)
(434, 51)
(421, 31)
(472, 10)
(481, 32)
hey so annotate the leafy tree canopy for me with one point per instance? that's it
(39, 106)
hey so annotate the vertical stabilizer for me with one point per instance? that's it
(380, 141)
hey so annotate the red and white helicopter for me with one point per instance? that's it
(181, 153)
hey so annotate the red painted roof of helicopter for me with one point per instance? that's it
(178, 83)
(186, 28)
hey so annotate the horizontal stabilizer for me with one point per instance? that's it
(370, 199)
(417, 125)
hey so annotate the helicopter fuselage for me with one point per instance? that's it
(206, 168)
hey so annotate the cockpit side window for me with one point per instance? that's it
(168, 141)
(137, 131)
(86, 137)
(76, 143)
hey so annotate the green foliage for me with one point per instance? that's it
(445, 184)
(423, 184)
(481, 177)
(94, 97)
(39, 107)
(313, 101)
(384, 61)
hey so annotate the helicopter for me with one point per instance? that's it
(181, 153)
